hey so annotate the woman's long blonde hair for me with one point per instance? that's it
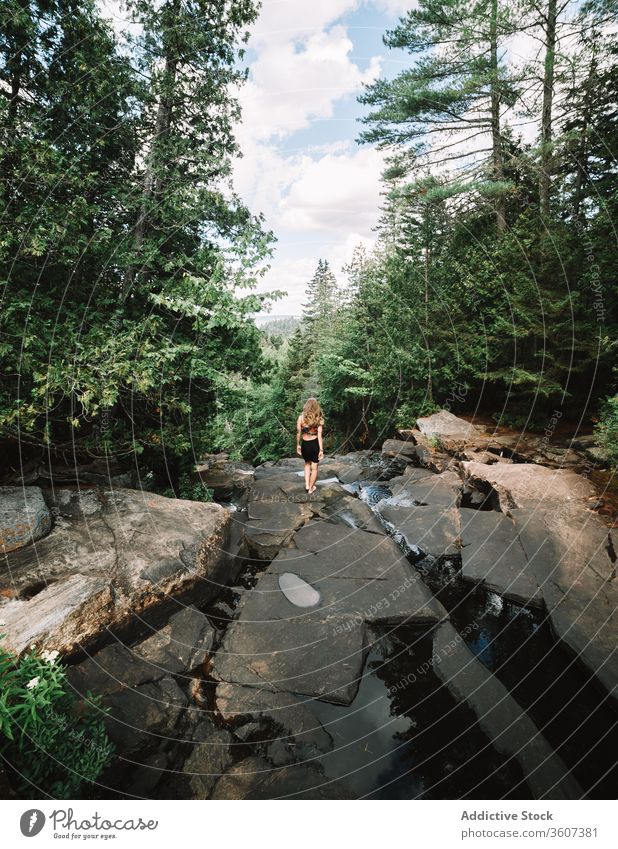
(312, 413)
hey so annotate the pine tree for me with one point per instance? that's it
(447, 108)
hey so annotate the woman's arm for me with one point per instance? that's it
(298, 451)
(321, 454)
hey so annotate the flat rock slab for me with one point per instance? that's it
(528, 484)
(24, 517)
(255, 778)
(378, 602)
(570, 553)
(98, 571)
(342, 552)
(276, 509)
(345, 509)
(400, 448)
(291, 718)
(318, 656)
(426, 530)
(509, 728)
(492, 554)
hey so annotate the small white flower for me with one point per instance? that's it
(33, 646)
(33, 683)
(50, 656)
(2, 624)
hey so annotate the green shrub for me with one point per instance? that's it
(54, 742)
(607, 429)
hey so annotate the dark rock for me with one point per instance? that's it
(282, 655)
(426, 530)
(492, 555)
(144, 716)
(291, 718)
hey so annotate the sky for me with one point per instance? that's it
(318, 190)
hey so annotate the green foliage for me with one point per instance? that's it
(124, 247)
(55, 744)
(607, 429)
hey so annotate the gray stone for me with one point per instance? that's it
(526, 484)
(145, 715)
(256, 778)
(445, 425)
(378, 602)
(24, 517)
(314, 655)
(211, 757)
(492, 555)
(180, 646)
(570, 550)
(426, 530)
(75, 503)
(291, 717)
(401, 448)
(102, 571)
(509, 728)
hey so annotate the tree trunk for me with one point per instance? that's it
(427, 344)
(496, 135)
(163, 124)
(546, 114)
(582, 157)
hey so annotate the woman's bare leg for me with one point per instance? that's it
(314, 476)
(307, 476)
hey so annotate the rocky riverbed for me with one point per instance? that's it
(438, 620)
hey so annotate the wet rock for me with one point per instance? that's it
(102, 572)
(145, 715)
(255, 778)
(24, 517)
(281, 655)
(148, 774)
(492, 554)
(343, 508)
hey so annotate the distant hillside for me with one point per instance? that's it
(283, 326)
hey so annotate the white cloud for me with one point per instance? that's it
(293, 84)
(289, 20)
(337, 193)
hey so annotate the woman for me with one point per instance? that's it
(309, 426)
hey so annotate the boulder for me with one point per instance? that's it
(450, 429)
(102, 572)
(24, 517)
(227, 479)
(426, 531)
(211, 757)
(526, 484)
